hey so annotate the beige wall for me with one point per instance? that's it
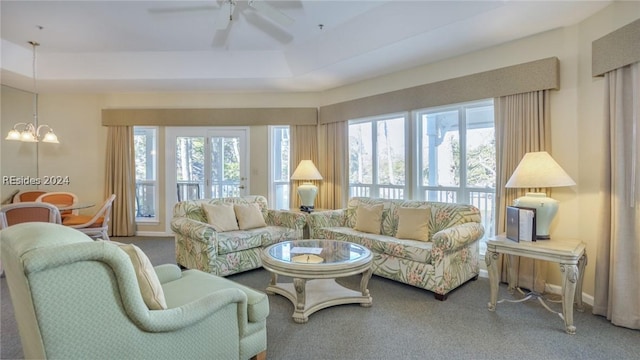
(17, 159)
(576, 113)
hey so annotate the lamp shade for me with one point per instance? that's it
(306, 171)
(539, 170)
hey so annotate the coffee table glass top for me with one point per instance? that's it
(317, 251)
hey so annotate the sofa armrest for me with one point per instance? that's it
(289, 219)
(167, 272)
(323, 219)
(195, 230)
(457, 236)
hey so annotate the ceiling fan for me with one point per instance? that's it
(227, 12)
(261, 6)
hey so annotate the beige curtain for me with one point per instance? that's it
(617, 284)
(334, 162)
(120, 180)
(522, 126)
(304, 146)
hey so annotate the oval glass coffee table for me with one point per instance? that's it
(314, 265)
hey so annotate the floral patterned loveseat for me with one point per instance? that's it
(200, 246)
(448, 259)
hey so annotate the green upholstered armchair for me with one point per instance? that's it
(78, 298)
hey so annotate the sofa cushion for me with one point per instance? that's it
(148, 281)
(249, 216)
(232, 241)
(221, 216)
(413, 223)
(414, 250)
(276, 234)
(369, 218)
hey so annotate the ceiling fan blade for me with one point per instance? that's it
(272, 13)
(225, 15)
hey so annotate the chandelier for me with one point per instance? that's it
(31, 132)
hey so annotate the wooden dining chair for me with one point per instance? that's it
(12, 214)
(17, 213)
(27, 195)
(60, 199)
(96, 226)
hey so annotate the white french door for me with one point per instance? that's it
(206, 162)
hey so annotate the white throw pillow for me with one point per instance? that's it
(249, 216)
(221, 216)
(369, 218)
(413, 223)
(148, 281)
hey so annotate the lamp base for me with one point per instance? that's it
(546, 209)
(307, 193)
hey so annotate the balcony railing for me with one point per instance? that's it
(145, 199)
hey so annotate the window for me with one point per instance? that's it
(444, 154)
(457, 158)
(279, 167)
(145, 145)
(377, 157)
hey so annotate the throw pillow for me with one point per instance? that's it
(413, 223)
(221, 216)
(249, 216)
(369, 218)
(148, 281)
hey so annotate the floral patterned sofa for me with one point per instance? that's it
(446, 260)
(200, 246)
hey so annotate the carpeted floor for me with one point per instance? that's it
(407, 323)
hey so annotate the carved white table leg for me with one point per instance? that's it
(301, 297)
(581, 265)
(364, 286)
(274, 282)
(569, 278)
(491, 259)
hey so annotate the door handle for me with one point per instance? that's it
(241, 187)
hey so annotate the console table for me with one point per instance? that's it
(570, 254)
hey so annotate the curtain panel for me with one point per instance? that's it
(304, 146)
(120, 180)
(522, 124)
(333, 164)
(617, 289)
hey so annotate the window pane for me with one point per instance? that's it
(360, 154)
(144, 140)
(281, 154)
(481, 151)
(440, 149)
(391, 152)
(190, 167)
(225, 166)
(279, 169)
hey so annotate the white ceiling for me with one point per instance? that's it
(122, 46)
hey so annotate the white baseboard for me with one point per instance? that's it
(550, 288)
(153, 233)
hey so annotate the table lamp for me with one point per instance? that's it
(307, 191)
(539, 170)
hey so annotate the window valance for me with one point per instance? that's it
(536, 75)
(617, 49)
(210, 117)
